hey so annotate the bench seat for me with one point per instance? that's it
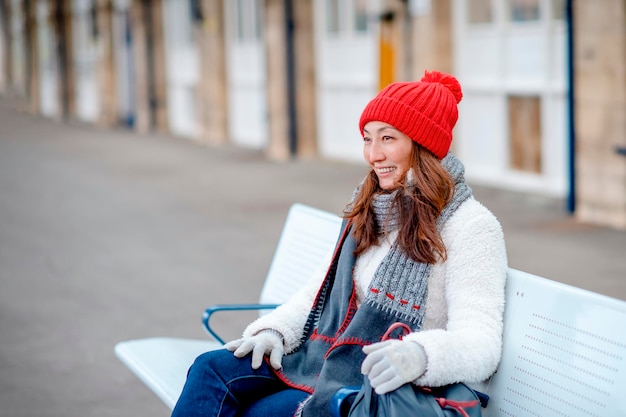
(162, 362)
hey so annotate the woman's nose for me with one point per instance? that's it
(375, 152)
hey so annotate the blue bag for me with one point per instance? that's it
(454, 400)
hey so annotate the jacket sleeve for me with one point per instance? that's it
(289, 318)
(469, 347)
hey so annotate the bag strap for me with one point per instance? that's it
(405, 330)
(457, 405)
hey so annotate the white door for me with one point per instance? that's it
(510, 56)
(346, 34)
(247, 93)
(183, 68)
(47, 60)
(85, 60)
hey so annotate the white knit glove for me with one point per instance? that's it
(267, 342)
(393, 363)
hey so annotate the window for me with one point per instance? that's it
(333, 16)
(181, 26)
(558, 9)
(479, 11)
(360, 16)
(345, 18)
(525, 133)
(248, 21)
(240, 20)
(523, 10)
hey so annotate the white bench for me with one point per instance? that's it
(308, 235)
(564, 348)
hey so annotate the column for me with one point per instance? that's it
(600, 111)
(291, 86)
(106, 65)
(432, 38)
(213, 105)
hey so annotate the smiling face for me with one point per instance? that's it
(388, 151)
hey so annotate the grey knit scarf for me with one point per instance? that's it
(399, 285)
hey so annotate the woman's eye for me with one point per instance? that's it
(387, 138)
(366, 139)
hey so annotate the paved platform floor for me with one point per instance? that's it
(108, 235)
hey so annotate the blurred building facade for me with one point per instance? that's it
(544, 108)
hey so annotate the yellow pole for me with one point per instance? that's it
(387, 54)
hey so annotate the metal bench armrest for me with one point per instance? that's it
(230, 307)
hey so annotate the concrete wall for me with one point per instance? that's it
(600, 110)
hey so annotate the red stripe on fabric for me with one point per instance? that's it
(279, 373)
(393, 297)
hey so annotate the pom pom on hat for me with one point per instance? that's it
(446, 80)
(426, 110)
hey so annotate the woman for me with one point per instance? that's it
(416, 248)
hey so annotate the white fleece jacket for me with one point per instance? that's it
(462, 328)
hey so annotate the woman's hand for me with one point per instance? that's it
(267, 342)
(393, 363)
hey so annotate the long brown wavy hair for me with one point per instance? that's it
(419, 205)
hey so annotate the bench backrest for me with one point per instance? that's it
(564, 352)
(308, 235)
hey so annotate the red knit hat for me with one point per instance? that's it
(426, 111)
